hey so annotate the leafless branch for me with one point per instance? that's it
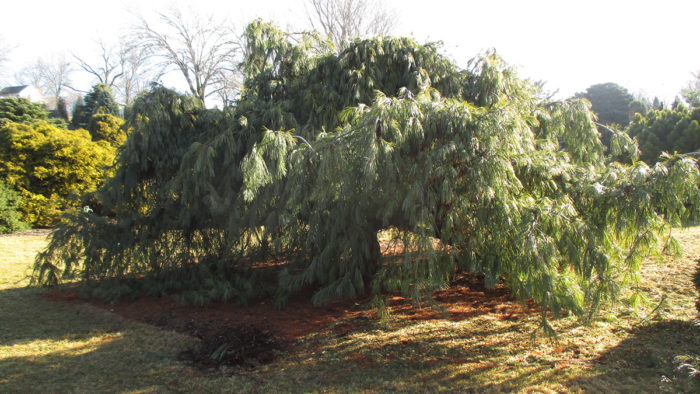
(137, 71)
(342, 20)
(198, 47)
(107, 71)
(5, 50)
(49, 75)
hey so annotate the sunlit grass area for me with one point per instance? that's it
(47, 346)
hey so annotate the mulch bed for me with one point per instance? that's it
(235, 335)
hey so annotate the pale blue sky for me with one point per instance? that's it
(650, 47)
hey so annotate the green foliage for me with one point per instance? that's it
(151, 220)
(691, 94)
(79, 113)
(61, 111)
(51, 167)
(638, 107)
(469, 168)
(10, 220)
(666, 131)
(305, 86)
(610, 101)
(21, 110)
(107, 127)
(614, 107)
(657, 104)
(24, 111)
(98, 100)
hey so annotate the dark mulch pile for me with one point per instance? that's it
(233, 346)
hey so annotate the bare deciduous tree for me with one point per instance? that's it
(691, 94)
(107, 69)
(197, 46)
(228, 82)
(342, 20)
(124, 68)
(4, 55)
(137, 72)
(52, 76)
(29, 75)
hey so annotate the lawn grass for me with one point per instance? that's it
(47, 346)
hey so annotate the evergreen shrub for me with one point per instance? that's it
(51, 168)
(666, 131)
(10, 218)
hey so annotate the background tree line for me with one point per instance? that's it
(205, 51)
(656, 126)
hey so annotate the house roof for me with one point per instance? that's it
(12, 90)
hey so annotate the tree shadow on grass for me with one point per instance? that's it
(50, 347)
(657, 357)
(27, 316)
(125, 361)
(660, 356)
(407, 356)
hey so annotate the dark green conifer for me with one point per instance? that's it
(10, 218)
(666, 131)
(98, 100)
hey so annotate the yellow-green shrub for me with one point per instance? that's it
(107, 127)
(51, 167)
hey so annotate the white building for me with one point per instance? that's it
(25, 91)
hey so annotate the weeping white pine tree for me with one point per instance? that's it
(469, 168)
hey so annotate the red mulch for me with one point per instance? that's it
(253, 334)
(465, 298)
